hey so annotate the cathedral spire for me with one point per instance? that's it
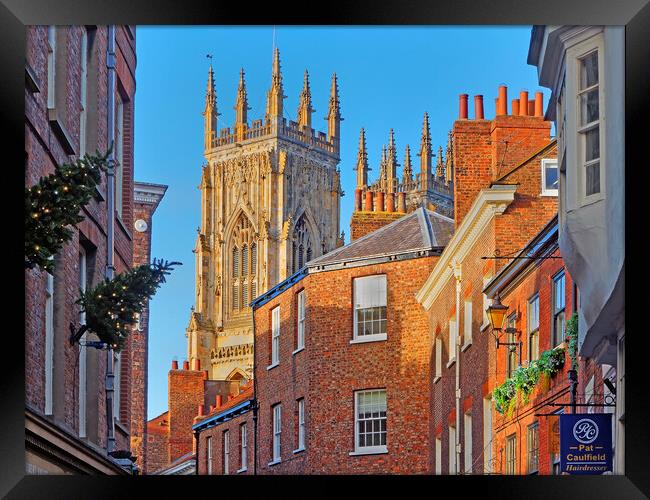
(391, 163)
(425, 154)
(362, 161)
(275, 95)
(382, 168)
(241, 107)
(210, 112)
(449, 159)
(440, 168)
(334, 114)
(408, 169)
(304, 108)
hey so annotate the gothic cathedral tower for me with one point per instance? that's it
(270, 201)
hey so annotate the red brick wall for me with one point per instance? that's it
(186, 393)
(540, 281)
(328, 371)
(44, 149)
(362, 223)
(216, 433)
(157, 447)
(138, 343)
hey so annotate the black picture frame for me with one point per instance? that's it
(634, 14)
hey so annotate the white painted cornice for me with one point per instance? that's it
(488, 203)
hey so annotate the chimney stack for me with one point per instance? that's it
(401, 202)
(515, 107)
(186, 365)
(201, 410)
(531, 107)
(523, 103)
(380, 202)
(369, 199)
(463, 107)
(197, 365)
(539, 104)
(174, 365)
(390, 202)
(502, 101)
(218, 400)
(357, 199)
(478, 107)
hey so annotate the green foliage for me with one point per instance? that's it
(572, 340)
(519, 387)
(112, 305)
(55, 203)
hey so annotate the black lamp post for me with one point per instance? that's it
(497, 313)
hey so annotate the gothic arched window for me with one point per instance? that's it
(244, 265)
(302, 251)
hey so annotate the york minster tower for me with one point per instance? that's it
(270, 201)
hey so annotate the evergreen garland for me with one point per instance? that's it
(55, 203)
(112, 305)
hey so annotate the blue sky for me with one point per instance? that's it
(388, 77)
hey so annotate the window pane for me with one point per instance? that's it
(589, 107)
(589, 70)
(592, 145)
(593, 179)
(550, 177)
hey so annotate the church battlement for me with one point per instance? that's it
(274, 124)
(292, 131)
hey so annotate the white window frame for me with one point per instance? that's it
(383, 290)
(275, 337)
(375, 449)
(301, 425)
(452, 450)
(438, 359)
(300, 340)
(532, 428)
(556, 338)
(277, 435)
(486, 303)
(513, 449)
(83, 96)
(51, 67)
(533, 329)
(487, 435)
(226, 452)
(243, 445)
(209, 448)
(467, 324)
(453, 334)
(546, 163)
(83, 388)
(49, 344)
(438, 469)
(467, 445)
(574, 55)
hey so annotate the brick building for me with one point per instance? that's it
(147, 197)
(66, 115)
(339, 348)
(503, 194)
(540, 296)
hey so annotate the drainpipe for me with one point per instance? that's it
(457, 275)
(110, 230)
(196, 456)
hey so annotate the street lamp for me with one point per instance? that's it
(497, 314)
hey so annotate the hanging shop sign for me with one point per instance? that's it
(586, 443)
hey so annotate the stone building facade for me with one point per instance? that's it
(500, 202)
(320, 359)
(270, 192)
(66, 108)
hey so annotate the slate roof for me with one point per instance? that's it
(420, 230)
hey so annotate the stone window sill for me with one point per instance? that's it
(369, 338)
(298, 350)
(275, 462)
(377, 451)
(465, 346)
(435, 380)
(299, 450)
(273, 365)
(242, 470)
(451, 362)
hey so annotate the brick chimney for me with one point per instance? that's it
(486, 149)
